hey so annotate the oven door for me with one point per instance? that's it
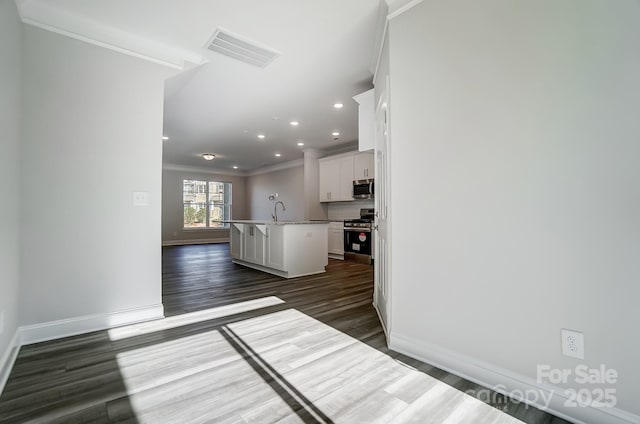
(357, 244)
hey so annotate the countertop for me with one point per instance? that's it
(283, 222)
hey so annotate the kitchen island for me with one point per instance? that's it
(285, 248)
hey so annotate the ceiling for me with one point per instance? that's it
(219, 105)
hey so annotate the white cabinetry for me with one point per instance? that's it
(254, 243)
(366, 120)
(275, 247)
(363, 166)
(237, 245)
(336, 239)
(336, 179)
(285, 249)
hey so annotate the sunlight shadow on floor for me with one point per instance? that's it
(120, 333)
(230, 372)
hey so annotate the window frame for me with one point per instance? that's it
(208, 204)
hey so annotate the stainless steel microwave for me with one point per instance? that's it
(363, 189)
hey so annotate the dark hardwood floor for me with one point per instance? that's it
(241, 346)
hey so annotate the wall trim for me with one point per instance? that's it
(52, 330)
(381, 46)
(491, 376)
(398, 7)
(279, 167)
(202, 170)
(45, 16)
(383, 11)
(101, 44)
(195, 241)
(9, 358)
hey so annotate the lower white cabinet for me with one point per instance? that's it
(336, 239)
(237, 241)
(275, 250)
(254, 243)
(284, 249)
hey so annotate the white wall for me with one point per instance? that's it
(173, 231)
(313, 209)
(92, 136)
(521, 120)
(10, 116)
(288, 183)
(339, 211)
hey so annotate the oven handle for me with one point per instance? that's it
(358, 230)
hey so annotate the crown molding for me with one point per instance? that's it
(201, 170)
(389, 9)
(45, 15)
(398, 7)
(278, 167)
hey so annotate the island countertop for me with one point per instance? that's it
(270, 222)
(285, 248)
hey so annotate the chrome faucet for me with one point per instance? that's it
(274, 215)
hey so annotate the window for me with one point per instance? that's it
(206, 203)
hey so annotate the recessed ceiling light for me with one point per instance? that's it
(164, 137)
(338, 105)
(335, 133)
(235, 166)
(261, 136)
(300, 143)
(294, 123)
(278, 155)
(208, 156)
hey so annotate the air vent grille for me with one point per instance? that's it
(236, 47)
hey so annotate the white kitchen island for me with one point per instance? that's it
(285, 248)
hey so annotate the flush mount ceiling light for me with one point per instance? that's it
(235, 166)
(300, 143)
(164, 137)
(335, 133)
(338, 105)
(294, 123)
(278, 155)
(261, 136)
(208, 156)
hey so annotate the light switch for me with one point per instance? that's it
(140, 198)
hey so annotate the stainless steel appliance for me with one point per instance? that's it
(358, 238)
(363, 189)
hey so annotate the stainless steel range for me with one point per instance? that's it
(358, 238)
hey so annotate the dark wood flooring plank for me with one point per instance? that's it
(318, 356)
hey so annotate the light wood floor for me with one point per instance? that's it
(239, 346)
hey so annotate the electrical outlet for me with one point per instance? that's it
(573, 343)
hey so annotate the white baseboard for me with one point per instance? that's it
(8, 358)
(493, 377)
(195, 241)
(73, 326)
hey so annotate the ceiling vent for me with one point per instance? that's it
(236, 47)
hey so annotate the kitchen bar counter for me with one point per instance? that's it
(285, 248)
(261, 222)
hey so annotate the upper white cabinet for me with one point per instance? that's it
(363, 166)
(336, 178)
(366, 121)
